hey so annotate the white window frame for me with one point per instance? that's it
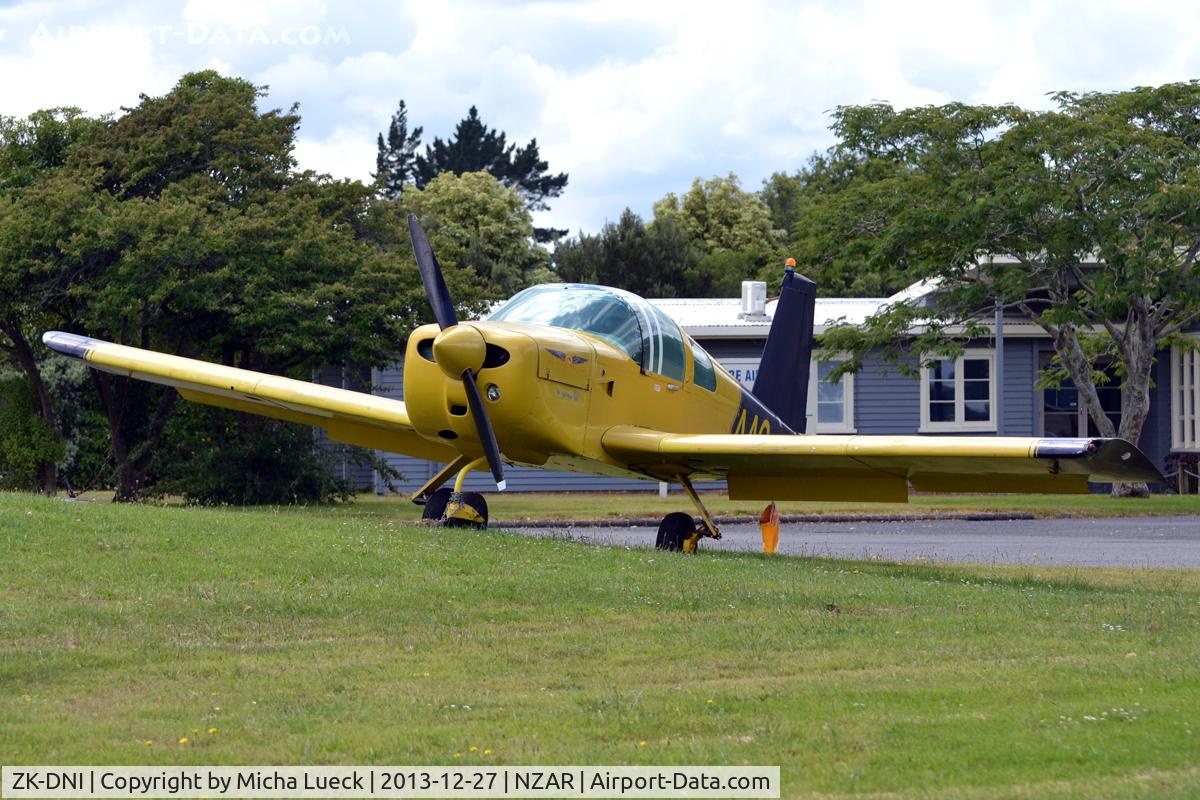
(847, 383)
(1185, 398)
(960, 424)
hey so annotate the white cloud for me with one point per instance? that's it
(349, 152)
(632, 98)
(235, 14)
(98, 67)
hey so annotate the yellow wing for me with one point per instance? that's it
(879, 468)
(351, 417)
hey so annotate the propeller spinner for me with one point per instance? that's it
(456, 345)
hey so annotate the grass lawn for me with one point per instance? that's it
(509, 506)
(516, 506)
(346, 636)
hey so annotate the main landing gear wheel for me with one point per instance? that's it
(674, 531)
(466, 510)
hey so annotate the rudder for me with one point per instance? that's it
(782, 382)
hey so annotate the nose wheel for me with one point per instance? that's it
(453, 508)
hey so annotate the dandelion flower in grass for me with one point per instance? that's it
(212, 730)
(487, 751)
(473, 748)
(458, 755)
(183, 740)
(710, 702)
(642, 743)
(149, 743)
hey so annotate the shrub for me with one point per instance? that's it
(26, 442)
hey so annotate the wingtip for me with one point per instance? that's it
(69, 344)
(1107, 460)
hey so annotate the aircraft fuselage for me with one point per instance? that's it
(552, 393)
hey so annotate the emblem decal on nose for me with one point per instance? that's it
(566, 359)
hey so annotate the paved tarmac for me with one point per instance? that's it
(1112, 541)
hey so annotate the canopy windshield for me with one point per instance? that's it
(622, 319)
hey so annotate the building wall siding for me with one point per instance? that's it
(885, 400)
(1017, 379)
(1156, 434)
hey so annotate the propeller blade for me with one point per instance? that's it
(483, 426)
(443, 311)
(431, 276)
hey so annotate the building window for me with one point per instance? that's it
(829, 407)
(1185, 399)
(1064, 415)
(830, 404)
(959, 394)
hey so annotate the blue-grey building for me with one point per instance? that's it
(986, 391)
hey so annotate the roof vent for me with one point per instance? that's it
(754, 300)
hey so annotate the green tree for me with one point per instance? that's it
(701, 246)
(718, 214)
(212, 457)
(649, 260)
(730, 228)
(477, 148)
(183, 226)
(1085, 219)
(480, 229)
(830, 231)
(396, 161)
(32, 150)
(27, 443)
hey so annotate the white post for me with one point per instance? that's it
(999, 376)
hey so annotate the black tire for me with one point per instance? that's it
(476, 501)
(435, 505)
(672, 531)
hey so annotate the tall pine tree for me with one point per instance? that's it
(395, 165)
(477, 148)
(474, 148)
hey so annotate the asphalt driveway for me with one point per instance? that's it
(1112, 541)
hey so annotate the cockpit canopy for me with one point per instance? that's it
(638, 328)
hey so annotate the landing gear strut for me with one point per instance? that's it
(679, 532)
(454, 508)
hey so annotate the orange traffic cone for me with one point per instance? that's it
(769, 523)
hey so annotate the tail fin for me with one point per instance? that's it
(782, 382)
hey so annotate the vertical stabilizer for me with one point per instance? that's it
(782, 382)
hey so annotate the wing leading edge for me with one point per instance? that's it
(350, 417)
(879, 468)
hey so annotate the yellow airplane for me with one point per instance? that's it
(596, 380)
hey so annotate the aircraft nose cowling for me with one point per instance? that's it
(458, 349)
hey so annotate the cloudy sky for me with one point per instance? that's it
(633, 98)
